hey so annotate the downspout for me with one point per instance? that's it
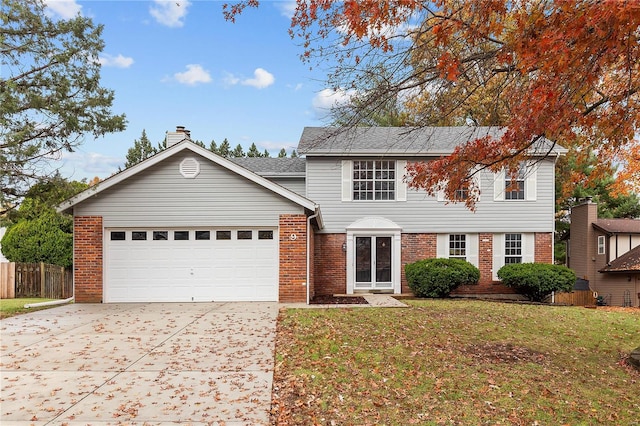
(315, 215)
(50, 303)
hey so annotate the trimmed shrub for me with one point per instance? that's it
(48, 239)
(438, 277)
(537, 280)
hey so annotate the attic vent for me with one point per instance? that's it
(189, 168)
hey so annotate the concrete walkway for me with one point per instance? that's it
(134, 364)
(373, 300)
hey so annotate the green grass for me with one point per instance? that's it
(457, 362)
(11, 307)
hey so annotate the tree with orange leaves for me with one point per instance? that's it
(568, 71)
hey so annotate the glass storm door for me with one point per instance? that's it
(373, 263)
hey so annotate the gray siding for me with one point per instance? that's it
(296, 185)
(160, 196)
(422, 213)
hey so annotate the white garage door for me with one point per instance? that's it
(178, 265)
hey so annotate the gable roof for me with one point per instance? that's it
(432, 141)
(618, 226)
(187, 145)
(628, 262)
(273, 167)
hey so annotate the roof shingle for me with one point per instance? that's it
(434, 141)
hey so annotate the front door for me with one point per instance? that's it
(373, 263)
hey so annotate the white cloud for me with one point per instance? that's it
(79, 165)
(261, 79)
(65, 9)
(119, 61)
(193, 75)
(230, 79)
(287, 8)
(327, 99)
(170, 12)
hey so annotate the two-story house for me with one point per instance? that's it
(189, 225)
(606, 253)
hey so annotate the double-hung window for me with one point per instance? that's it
(512, 248)
(514, 184)
(374, 180)
(458, 246)
(601, 244)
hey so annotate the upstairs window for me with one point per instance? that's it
(374, 180)
(514, 185)
(601, 244)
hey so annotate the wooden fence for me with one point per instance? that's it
(576, 298)
(35, 280)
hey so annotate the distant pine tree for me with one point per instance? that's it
(253, 151)
(140, 151)
(237, 152)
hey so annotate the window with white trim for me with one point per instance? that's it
(374, 180)
(458, 246)
(601, 244)
(512, 248)
(514, 184)
(519, 187)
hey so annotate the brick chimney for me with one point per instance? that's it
(178, 136)
(582, 239)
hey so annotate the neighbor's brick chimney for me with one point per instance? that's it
(581, 241)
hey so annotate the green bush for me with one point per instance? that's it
(537, 280)
(48, 239)
(438, 277)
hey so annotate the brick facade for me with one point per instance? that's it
(293, 258)
(330, 263)
(415, 247)
(87, 259)
(544, 247)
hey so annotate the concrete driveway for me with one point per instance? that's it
(197, 363)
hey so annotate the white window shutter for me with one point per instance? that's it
(528, 248)
(401, 186)
(498, 254)
(347, 176)
(530, 190)
(472, 249)
(498, 186)
(442, 246)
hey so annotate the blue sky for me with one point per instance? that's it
(180, 63)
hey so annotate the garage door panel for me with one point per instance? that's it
(225, 269)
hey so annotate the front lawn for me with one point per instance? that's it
(11, 307)
(456, 362)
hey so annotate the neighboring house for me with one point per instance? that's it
(189, 225)
(606, 252)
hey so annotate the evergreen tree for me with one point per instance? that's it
(199, 143)
(266, 154)
(282, 153)
(253, 151)
(141, 150)
(51, 98)
(213, 147)
(237, 152)
(225, 149)
(294, 154)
